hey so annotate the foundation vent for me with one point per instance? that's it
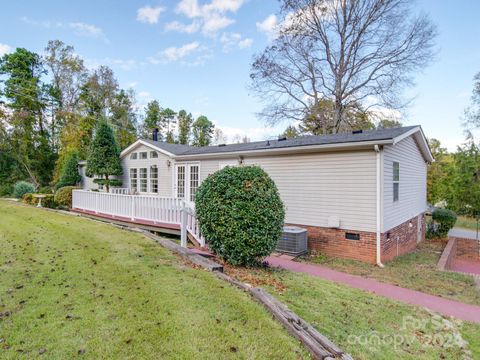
(293, 241)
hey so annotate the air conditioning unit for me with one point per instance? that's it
(293, 241)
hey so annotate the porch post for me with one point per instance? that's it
(183, 226)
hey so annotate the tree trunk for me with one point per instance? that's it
(107, 185)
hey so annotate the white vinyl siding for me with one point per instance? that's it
(316, 186)
(165, 173)
(412, 183)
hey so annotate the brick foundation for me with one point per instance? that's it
(332, 242)
(402, 239)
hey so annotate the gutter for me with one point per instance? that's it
(379, 160)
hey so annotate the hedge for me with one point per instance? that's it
(443, 220)
(48, 201)
(240, 213)
(63, 196)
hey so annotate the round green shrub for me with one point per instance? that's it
(49, 201)
(443, 221)
(21, 188)
(63, 196)
(240, 213)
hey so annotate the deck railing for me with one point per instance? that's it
(141, 208)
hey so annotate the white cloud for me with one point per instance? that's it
(144, 94)
(233, 40)
(124, 64)
(189, 54)
(148, 14)
(4, 49)
(176, 53)
(85, 29)
(212, 16)
(269, 26)
(79, 28)
(183, 28)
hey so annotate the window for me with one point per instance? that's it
(181, 182)
(133, 156)
(143, 180)
(352, 236)
(153, 155)
(133, 180)
(154, 179)
(396, 180)
(143, 155)
(193, 181)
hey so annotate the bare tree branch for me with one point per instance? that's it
(345, 51)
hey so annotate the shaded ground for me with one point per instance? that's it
(365, 325)
(71, 286)
(416, 271)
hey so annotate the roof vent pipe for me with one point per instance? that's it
(155, 135)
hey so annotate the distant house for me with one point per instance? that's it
(361, 195)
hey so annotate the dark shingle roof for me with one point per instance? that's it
(371, 135)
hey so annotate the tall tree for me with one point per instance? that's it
(438, 172)
(124, 118)
(202, 130)
(184, 127)
(26, 100)
(360, 54)
(104, 157)
(68, 74)
(168, 118)
(153, 120)
(472, 113)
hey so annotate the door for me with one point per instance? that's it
(187, 180)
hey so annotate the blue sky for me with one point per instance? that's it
(196, 54)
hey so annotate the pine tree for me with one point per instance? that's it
(184, 127)
(202, 131)
(69, 175)
(153, 119)
(104, 157)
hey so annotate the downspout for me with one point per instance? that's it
(378, 155)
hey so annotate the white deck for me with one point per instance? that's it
(144, 209)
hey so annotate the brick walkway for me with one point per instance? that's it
(440, 305)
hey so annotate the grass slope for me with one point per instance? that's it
(365, 325)
(71, 286)
(417, 271)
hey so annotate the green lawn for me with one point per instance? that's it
(466, 223)
(71, 286)
(365, 325)
(417, 271)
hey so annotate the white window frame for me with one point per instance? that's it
(153, 180)
(140, 190)
(131, 179)
(133, 156)
(153, 155)
(141, 155)
(396, 181)
(186, 181)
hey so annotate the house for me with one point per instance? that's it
(360, 195)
